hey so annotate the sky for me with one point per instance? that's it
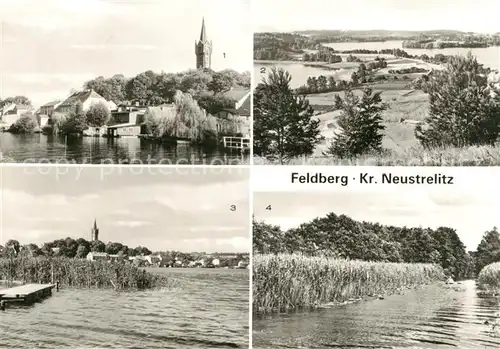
(50, 47)
(470, 213)
(160, 208)
(295, 15)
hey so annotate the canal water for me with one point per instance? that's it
(431, 317)
(39, 148)
(208, 308)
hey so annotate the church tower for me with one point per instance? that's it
(94, 232)
(203, 49)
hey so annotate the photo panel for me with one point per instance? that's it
(120, 82)
(369, 268)
(376, 82)
(124, 257)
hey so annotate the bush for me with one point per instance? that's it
(25, 124)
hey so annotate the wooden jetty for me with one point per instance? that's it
(26, 294)
(239, 143)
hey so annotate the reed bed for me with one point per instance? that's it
(489, 277)
(80, 273)
(284, 282)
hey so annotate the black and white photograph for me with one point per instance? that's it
(122, 257)
(376, 82)
(376, 269)
(119, 82)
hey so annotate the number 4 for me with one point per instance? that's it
(268, 208)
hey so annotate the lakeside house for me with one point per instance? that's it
(86, 97)
(48, 108)
(97, 256)
(240, 113)
(12, 112)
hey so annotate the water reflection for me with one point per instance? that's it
(36, 148)
(431, 317)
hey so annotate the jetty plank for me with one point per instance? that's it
(25, 291)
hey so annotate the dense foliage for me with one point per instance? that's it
(287, 281)
(338, 236)
(464, 107)
(488, 250)
(152, 89)
(25, 124)
(489, 277)
(284, 126)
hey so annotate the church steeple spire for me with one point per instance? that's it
(203, 49)
(94, 232)
(203, 35)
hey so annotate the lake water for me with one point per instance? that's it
(208, 309)
(489, 56)
(432, 317)
(36, 148)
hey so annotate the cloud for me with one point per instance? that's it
(116, 47)
(131, 224)
(238, 243)
(215, 228)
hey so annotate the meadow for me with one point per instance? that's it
(489, 277)
(73, 272)
(293, 281)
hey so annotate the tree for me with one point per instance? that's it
(488, 250)
(98, 115)
(354, 79)
(76, 122)
(97, 246)
(360, 124)
(283, 121)
(26, 124)
(464, 107)
(12, 247)
(220, 83)
(267, 238)
(82, 251)
(114, 247)
(19, 100)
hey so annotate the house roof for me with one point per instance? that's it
(244, 109)
(237, 93)
(81, 96)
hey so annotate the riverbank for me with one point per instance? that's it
(285, 282)
(72, 272)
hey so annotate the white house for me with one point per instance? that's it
(86, 97)
(215, 262)
(94, 256)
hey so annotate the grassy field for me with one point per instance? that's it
(402, 101)
(489, 277)
(73, 272)
(284, 282)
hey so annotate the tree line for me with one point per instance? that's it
(151, 88)
(80, 248)
(339, 236)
